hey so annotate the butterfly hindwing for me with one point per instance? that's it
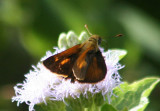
(90, 67)
(62, 63)
(97, 69)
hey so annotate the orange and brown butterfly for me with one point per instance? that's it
(83, 62)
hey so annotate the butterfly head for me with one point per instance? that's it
(95, 39)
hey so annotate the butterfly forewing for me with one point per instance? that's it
(81, 64)
(62, 63)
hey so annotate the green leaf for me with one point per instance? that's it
(73, 104)
(51, 106)
(134, 96)
(118, 52)
(98, 99)
(108, 107)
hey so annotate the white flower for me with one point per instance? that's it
(40, 84)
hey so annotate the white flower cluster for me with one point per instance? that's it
(40, 84)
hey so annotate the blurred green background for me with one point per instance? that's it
(29, 28)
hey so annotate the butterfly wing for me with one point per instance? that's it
(62, 63)
(90, 67)
(97, 69)
(81, 64)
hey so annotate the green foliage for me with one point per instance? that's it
(121, 53)
(51, 106)
(108, 107)
(134, 96)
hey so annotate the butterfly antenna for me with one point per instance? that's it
(86, 26)
(118, 35)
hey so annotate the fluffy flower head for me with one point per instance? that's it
(41, 85)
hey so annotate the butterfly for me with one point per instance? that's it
(83, 62)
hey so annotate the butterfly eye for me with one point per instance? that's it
(99, 41)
